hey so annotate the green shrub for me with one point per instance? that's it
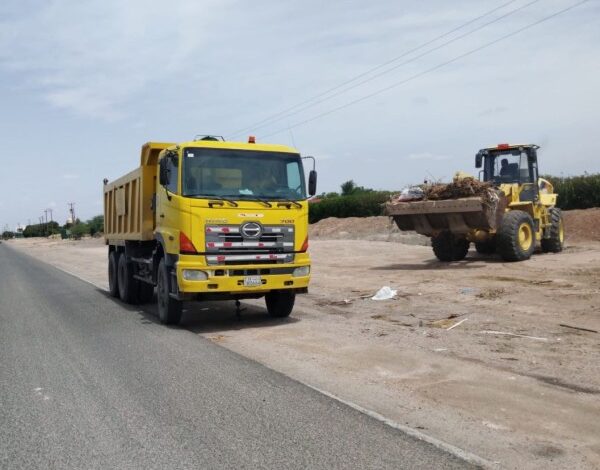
(79, 230)
(577, 192)
(364, 204)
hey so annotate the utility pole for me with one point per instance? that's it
(51, 219)
(72, 211)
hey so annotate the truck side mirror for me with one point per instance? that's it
(478, 160)
(312, 183)
(163, 174)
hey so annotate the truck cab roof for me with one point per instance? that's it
(236, 146)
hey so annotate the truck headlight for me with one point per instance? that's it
(301, 271)
(194, 275)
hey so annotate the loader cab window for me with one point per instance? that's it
(513, 166)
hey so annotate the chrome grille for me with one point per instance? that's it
(227, 244)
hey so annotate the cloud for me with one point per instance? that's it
(94, 58)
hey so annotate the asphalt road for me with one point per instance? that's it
(86, 382)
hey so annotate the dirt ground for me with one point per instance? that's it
(473, 353)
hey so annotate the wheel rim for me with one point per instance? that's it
(561, 231)
(525, 236)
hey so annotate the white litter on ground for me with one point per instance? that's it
(385, 293)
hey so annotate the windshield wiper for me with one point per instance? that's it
(255, 199)
(214, 198)
(289, 201)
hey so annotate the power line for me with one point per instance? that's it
(367, 72)
(438, 47)
(425, 72)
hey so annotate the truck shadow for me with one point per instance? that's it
(209, 317)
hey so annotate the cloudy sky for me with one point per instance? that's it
(84, 83)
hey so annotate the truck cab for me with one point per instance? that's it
(229, 221)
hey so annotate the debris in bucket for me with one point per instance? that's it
(385, 293)
(413, 193)
(460, 187)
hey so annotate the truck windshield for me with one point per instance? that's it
(242, 174)
(509, 167)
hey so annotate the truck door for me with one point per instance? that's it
(168, 201)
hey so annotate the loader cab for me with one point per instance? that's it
(511, 164)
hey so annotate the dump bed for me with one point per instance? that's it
(128, 213)
(457, 215)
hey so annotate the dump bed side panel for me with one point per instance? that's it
(128, 201)
(127, 208)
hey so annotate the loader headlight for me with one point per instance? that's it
(194, 275)
(301, 271)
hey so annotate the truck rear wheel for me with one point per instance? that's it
(515, 239)
(113, 273)
(554, 243)
(128, 285)
(449, 247)
(280, 303)
(169, 309)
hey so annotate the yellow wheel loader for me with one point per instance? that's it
(515, 216)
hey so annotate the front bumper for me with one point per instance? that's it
(230, 279)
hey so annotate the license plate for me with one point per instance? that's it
(252, 281)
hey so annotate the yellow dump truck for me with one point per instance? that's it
(210, 220)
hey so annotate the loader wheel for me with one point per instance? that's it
(515, 239)
(554, 243)
(280, 303)
(128, 285)
(486, 248)
(145, 292)
(113, 273)
(169, 309)
(449, 247)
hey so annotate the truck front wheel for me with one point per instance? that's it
(169, 309)
(280, 303)
(113, 276)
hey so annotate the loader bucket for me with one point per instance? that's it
(456, 215)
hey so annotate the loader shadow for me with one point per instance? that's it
(474, 261)
(209, 317)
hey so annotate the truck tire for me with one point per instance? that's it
(554, 243)
(145, 292)
(128, 285)
(169, 309)
(515, 239)
(487, 247)
(280, 303)
(113, 273)
(449, 247)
